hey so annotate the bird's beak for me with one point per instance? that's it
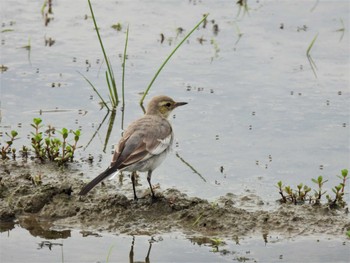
(177, 104)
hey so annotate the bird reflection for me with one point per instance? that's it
(131, 254)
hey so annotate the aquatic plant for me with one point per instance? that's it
(302, 194)
(6, 150)
(318, 193)
(215, 243)
(45, 145)
(50, 147)
(338, 190)
(110, 78)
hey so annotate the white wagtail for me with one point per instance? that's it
(144, 144)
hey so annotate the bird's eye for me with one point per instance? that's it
(168, 104)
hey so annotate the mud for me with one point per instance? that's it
(51, 202)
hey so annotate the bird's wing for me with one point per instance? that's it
(150, 137)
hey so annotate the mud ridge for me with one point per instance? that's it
(54, 200)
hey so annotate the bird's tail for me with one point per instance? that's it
(97, 180)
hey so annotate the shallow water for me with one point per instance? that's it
(174, 247)
(255, 107)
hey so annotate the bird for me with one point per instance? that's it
(144, 144)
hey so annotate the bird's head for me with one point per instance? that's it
(162, 106)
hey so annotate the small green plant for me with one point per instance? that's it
(45, 145)
(319, 192)
(215, 243)
(6, 150)
(338, 190)
(294, 196)
(37, 139)
(24, 152)
(302, 194)
(48, 147)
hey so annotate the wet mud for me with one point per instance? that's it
(51, 202)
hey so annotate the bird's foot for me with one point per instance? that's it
(154, 199)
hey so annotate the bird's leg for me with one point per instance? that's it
(150, 185)
(133, 180)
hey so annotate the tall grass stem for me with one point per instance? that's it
(168, 58)
(124, 60)
(110, 76)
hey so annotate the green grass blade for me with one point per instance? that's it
(124, 59)
(98, 33)
(113, 85)
(111, 95)
(311, 44)
(109, 67)
(43, 7)
(109, 253)
(96, 91)
(311, 61)
(110, 128)
(168, 58)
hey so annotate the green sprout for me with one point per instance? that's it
(318, 193)
(338, 190)
(37, 139)
(5, 150)
(48, 147)
(302, 192)
(216, 242)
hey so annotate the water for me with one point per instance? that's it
(256, 112)
(174, 247)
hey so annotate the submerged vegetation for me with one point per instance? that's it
(303, 193)
(45, 145)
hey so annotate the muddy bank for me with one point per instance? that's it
(50, 199)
